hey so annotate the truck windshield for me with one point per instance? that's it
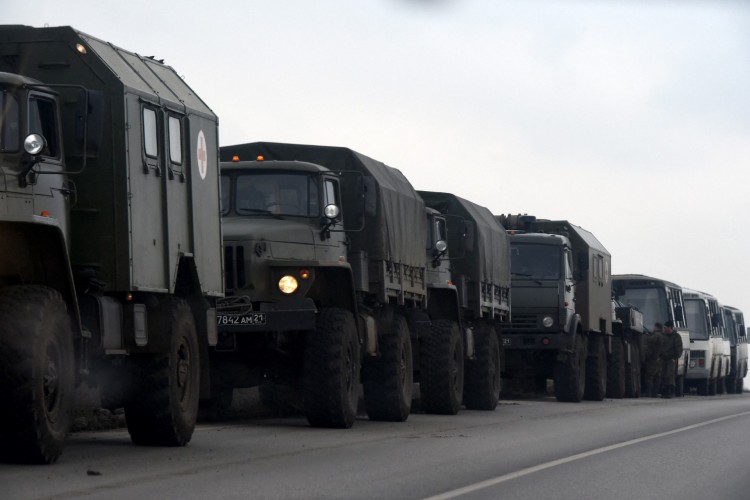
(697, 319)
(9, 123)
(535, 262)
(277, 193)
(652, 302)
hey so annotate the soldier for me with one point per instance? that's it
(652, 345)
(671, 350)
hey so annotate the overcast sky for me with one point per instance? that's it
(630, 118)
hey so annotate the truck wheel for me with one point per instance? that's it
(162, 406)
(37, 374)
(441, 369)
(330, 381)
(633, 379)
(596, 371)
(616, 370)
(570, 373)
(389, 383)
(482, 382)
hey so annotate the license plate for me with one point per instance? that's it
(253, 319)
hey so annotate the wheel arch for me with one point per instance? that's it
(35, 253)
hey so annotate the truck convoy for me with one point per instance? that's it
(734, 324)
(658, 300)
(110, 243)
(710, 350)
(365, 292)
(113, 269)
(561, 326)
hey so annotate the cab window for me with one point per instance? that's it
(9, 123)
(150, 136)
(42, 121)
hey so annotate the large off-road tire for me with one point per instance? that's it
(162, 404)
(616, 370)
(596, 370)
(633, 379)
(330, 381)
(441, 369)
(570, 372)
(389, 380)
(482, 381)
(37, 374)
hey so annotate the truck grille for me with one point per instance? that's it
(523, 322)
(234, 266)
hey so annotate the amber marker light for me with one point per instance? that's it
(235, 158)
(260, 158)
(304, 274)
(80, 48)
(44, 213)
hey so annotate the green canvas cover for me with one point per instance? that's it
(488, 258)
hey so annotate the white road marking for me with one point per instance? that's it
(560, 461)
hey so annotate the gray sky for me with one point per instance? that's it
(630, 118)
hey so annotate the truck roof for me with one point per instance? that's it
(126, 71)
(297, 166)
(642, 279)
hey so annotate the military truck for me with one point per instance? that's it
(710, 351)
(734, 323)
(562, 307)
(658, 300)
(360, 297)
(476, 283)
(110, 236)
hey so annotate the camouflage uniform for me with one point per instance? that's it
(652, 346)
(671, 349)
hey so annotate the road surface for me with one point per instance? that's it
(687, 448)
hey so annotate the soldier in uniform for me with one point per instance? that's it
(652, 344)
(671, 349)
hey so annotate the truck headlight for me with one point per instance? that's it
(288, 284)
(548, 321)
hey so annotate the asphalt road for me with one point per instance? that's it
(688, 448)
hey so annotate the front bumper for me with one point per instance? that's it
(282, 316)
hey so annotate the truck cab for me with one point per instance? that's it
(561, 325)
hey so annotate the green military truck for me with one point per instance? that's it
(475, 281)
(326, 274)
(110, 236)
(561, 326)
